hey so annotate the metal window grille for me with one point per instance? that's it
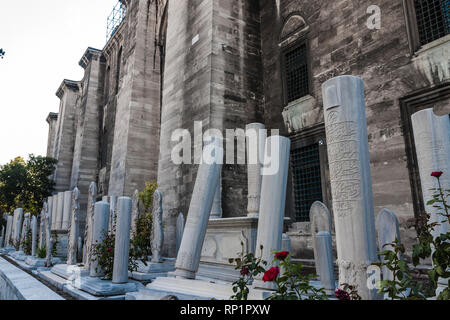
(115, 19)
(307, 180)
(296, 70)
(433, 19)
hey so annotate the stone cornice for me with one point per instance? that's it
(67, 84)
(52, 117)
(88, 55)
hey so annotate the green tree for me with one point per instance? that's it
(26, 184)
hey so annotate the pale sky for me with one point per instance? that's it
(44, 41)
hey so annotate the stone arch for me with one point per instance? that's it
(294, 27)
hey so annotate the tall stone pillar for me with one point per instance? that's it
(198, 216)
(256, 140)
(180, 230)
(34, 232)
(64, 141)
(67, 210)
(325, 259)
(25, 228)
(122, 245)
(351, 183)
(89, 225)
(272, 205)
(113, 212)
(42, 228)
(432, 140)
(101, 216)
(212, 74)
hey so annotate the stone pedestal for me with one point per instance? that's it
(197, 220)
(223, 241)
(256, 139)
(153, 270)
(122, 244)
(351, 183)
(101, 216)
(273, 200)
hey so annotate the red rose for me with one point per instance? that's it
(341, 294)
(281, 255)
(245, 271)
(437, 174)
(271, 274)
(110, 249)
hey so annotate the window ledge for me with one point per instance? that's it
(436, 43)
(300, 113)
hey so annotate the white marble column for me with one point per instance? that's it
(256, 140)
(101, 216)
(122, 244)
(59, 211)
(54, 212)
(134, 212)
(432, 141)
(18, 214)
(387, 230)
(208, 174)
(272, 205)
(73, 228)
(67, 210)
(9, 228)
(325, 261)
(351, 182)
(34, 232)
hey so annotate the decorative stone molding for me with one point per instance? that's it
(298, 113)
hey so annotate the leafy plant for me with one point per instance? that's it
(41, 252)
(402, 286)
(141, 238)
(436, 247)
(293, 284)
(249, 267)
(103, 253)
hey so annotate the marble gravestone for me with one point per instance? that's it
(113, 212)
(59, 211)
(2, 236)
(320, 221)
(122, 244)
(18, 220)
(325, 266)
(89, 225)
(157, 228)
(34, 234)
(9, 228)
(180, 230)
(388, 231)
(42, 229)
(272, 207)
(73, 227)
(256, 140)
(351, 183)
(54, 212)
(134, 213)
(100, 227)
(432, 141)
(205, 187)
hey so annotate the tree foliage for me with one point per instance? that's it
(25, 184)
